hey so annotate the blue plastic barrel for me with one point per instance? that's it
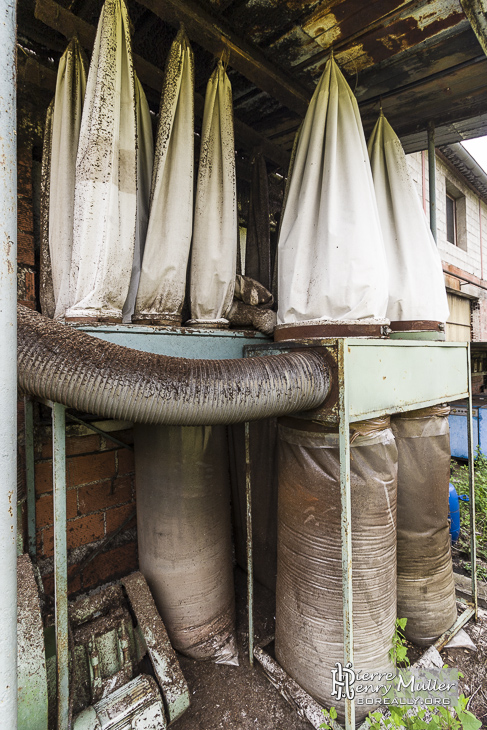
(454, 514)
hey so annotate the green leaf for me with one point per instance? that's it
(401, 622)
(468, 721)
(333, 713)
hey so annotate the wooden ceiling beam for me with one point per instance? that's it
(58, 18)
(212, 34)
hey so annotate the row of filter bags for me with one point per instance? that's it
(401, 555)
(120, 220)
(121, 225)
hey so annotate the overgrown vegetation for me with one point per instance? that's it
(460, 481)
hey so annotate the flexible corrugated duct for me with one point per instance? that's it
(215, 229)
(106, 176)
(309, 612)
(46, 291)
(425, 585)
(80, 371)
(66, 124)
(416, 286)
(162, 284)
(332, 264)
(145, 158)
(185, 553)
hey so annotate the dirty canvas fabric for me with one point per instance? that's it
(46, 291)
(162, 285)
(184, 536)
(332, 264)
(416, 284)
(106, 175)
(66, 123)
(309, 612)
(425, 585)
(145, 157)
(215, 231)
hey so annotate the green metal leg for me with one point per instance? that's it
(250, 566)
(29, 476)
(60, 562)
(471, 486)
(346, 525)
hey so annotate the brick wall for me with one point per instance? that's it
(100, 475)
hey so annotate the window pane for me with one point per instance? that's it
(450, 219)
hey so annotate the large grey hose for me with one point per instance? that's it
(70, 367)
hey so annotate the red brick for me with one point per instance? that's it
(116, 516)
(48, 582)
(25, 215)
(44, 508)
(127, 435)
(43, 476)
(45, 543)
(112, 564)
(81, 531)
(26, 303)
(90, 468)
(109, 493)
(74, 445)
(25, 248)
(30, 285)
(126, 463)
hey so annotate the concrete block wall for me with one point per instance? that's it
(100, 475)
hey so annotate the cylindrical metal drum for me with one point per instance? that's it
(309, 618)
(425, 585)
(184, 535)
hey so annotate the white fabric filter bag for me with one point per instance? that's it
(331, 257)
(416, 284)
(145, 158)
(106, 175)
(162, 284)
(215, 230)
(66, 123)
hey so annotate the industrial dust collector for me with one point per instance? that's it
(417, 307)
(333, 282)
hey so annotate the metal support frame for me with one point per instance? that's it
(60, 562)
(8, 368)
(471, 485)
(29, 475)
(250, 564)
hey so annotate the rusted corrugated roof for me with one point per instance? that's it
(420, 56)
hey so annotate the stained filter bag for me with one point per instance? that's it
(46, 291)
(425, 585)
(416, 285)
(66, 124)
(184, 535)
(145, 158)
(309, 614)
(331, 258)
(162, 284)
(215, 229)
(106, 175)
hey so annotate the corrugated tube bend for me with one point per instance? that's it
(70, 367)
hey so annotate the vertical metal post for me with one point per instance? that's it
(471, 483)
(432, 178)
(8, 369)
(250, 565)
(60, 562)
(29, 476)
(346, 521)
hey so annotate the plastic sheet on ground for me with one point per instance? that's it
(46, 291)
(66, 123)
(184, 536)
(332, 263)
(425, 584)
(215, 230)
(309, 613)
(162, 285)
(145, 157)
(106, 175)
(416, 284)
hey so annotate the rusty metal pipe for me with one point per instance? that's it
(70, 367)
